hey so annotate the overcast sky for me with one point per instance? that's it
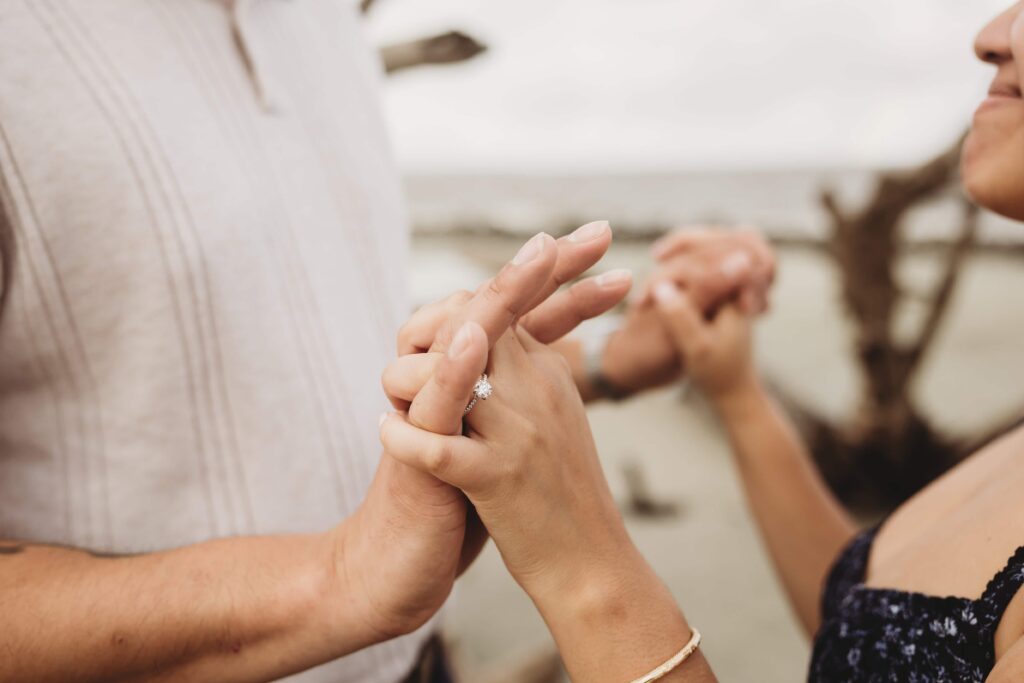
(614, 85)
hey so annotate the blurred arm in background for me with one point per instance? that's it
(802, 523)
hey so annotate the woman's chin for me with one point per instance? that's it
(994, 177)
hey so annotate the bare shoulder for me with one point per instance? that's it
(953, 492)
(973, 518)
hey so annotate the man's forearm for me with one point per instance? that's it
(243, 609)
(802, 523)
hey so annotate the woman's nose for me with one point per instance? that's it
(993, 44)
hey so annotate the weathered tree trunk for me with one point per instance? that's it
(890, 450)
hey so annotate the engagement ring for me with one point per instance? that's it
(481, 391)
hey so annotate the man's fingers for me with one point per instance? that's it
(418, 333)
(439, 405)
(454, 459)
(407, 375)
(503, 299)
(589, 298)
(577, 252)
(684, 320)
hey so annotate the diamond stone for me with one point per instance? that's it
(483, 388)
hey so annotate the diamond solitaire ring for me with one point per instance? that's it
(481, 391)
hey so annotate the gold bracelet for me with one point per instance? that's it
(674, 663)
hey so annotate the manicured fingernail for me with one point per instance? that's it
(531, 250)
(461, 342)
(590, 231)
(613, 278)
(666, 292)
(736, 264)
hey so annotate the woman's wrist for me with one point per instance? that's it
(738, 400)
(615, 622)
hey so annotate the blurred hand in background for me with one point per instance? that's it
(713, 268)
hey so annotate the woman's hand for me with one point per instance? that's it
(414, 534)
(714, 267)
(718, 352)
(528, 464)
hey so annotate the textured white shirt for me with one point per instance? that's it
(204, 270)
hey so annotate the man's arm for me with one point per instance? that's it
(243, 609)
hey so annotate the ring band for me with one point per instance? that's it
(482, 391)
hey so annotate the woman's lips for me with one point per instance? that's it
(1000, 96)
(997, 101)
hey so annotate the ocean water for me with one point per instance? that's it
(785, 203)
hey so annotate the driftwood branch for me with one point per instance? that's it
(890, 449)
(446, 48)
(958, 253)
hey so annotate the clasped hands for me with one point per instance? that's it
(522, 467)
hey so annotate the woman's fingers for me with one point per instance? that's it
(589, 298)
(577, 252)
(509, 375)
(440, 404)
(503, 299)
(714, 266)
(683, 239)
(454, 459)
(729, 322)
(682, 318)
(514, 292)
(407, 375)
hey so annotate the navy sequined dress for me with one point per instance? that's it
(871, 635)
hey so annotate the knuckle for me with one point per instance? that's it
(460, 297)
(444, 378)
(496, 294)
(438, 457)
